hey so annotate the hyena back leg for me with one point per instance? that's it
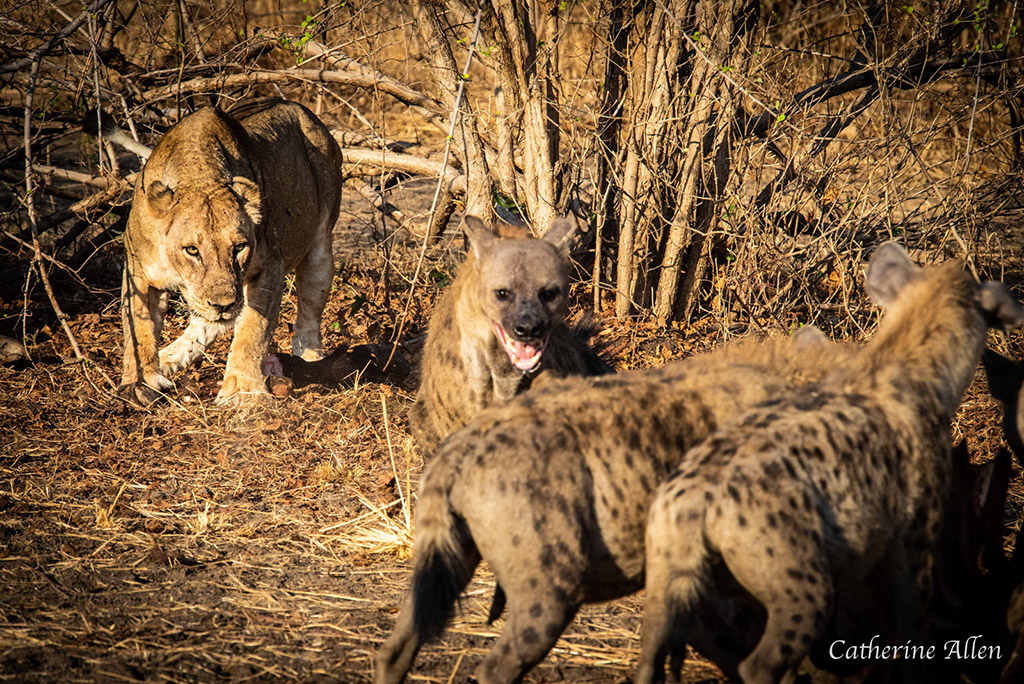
(676, 563)
(313, 278)
(535, 621)
(799, 600)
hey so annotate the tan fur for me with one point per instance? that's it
(804, 501)
(552, 490)
(464, 367)
(226, 205)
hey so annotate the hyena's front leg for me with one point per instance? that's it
(142, 317)
(243, 377)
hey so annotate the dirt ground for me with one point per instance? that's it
(194, 543)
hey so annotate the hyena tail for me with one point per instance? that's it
(445, 560)
(677, 568)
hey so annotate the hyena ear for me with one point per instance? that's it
(1000, 307)
(889, 271)
(249, 193)
(561, 233)
(479, 235)
(160, 198)
(808, 337)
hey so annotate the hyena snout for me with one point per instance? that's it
(529, 323)
(529, 327)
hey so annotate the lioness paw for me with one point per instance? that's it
(236, 390)
(138, 394)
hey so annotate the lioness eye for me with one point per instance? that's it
(502, 294)
(549, 294)
(239, 247)
(191, 250)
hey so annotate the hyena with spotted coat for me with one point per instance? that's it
(500, 324)
(552, 490)
(805, 500)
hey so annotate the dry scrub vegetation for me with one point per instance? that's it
(758, 160)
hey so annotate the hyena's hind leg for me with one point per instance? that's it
(537, 616)
(797, 593)
(676, 565)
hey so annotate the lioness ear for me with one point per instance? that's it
(160, 197)
(479, 235)
(561, 232)
(889, 271)
(249, 193)
(1001, 308)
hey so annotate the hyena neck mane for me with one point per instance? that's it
(929, 341)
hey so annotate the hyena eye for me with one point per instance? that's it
(191, 250)
(502, 295)
(549, 294)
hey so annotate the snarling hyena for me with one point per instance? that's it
(499, 325)
(552, 490)
(805, 500)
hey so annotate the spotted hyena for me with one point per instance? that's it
(498, 326)
(806, 499)
(552, 490)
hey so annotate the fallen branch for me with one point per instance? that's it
(370, 162)
(363, 79)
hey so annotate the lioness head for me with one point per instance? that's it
(523, 284)
(207, 239)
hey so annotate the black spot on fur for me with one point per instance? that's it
(529, 636)
(741, 520)
(536, 610)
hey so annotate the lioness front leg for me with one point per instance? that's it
(256, 322)
(142, 316)
(191, 344)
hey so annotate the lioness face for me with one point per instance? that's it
(524, 284)
(209, 244)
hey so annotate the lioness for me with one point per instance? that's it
(499, 325)
(226, 205)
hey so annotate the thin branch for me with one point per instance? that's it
(33, 57)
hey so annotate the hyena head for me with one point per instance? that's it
(521, 286)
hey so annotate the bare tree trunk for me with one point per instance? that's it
(528, 73)
(707, 150)
(479, 190)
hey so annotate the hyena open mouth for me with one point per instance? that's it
(523, 356)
